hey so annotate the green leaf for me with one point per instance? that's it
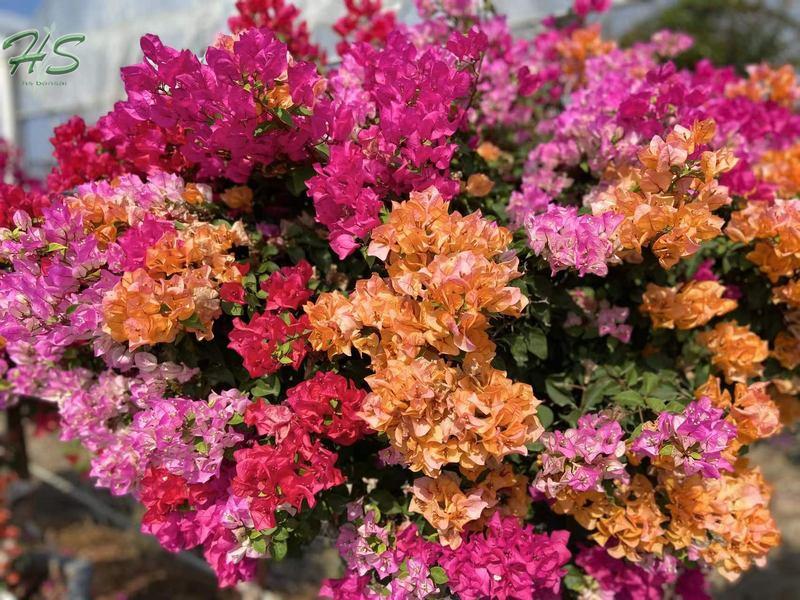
(266, 386)
(537, 343)
(572, 417)
(674, 406)
(267, 267)
(279, 549)
(249, 281)
(233, 309)
(193, 322)
(545, 415)
(297, 179)
(574, 580)
(383, 498)
(667, 450)
(649, 382)
(323, 149)
(664, 391)
(519, 351)
(260, 545)
(236, 419)
(403, 570)
(438, 575)
(629, 399)
(557, 394)
(285, 116)
(655, 404)
(594, 393)
(55, 247)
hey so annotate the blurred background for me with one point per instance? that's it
(78, 530)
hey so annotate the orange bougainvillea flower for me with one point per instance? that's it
(781, 168)
(755, 414)
(581, 45)
(195, 245)
(435, 414)
(752, 409)
(667, 202)
(787, 350)
(112, 206)
(446, 507)
(423, 226)
(453, 505)
(712, 389)
(196, 194)
(507, 492)
(634, 525)
(100, 216)
(488, 152)
(726, 521)
(772, 261)
(239, 197)
(142, 310)
(585, 507)
(788, 294)
(479, 185)
(791, 318)
(334, 324)
(628, 523)
(178, 287)
(691, 305)
(735, 350)
(774, 229)
(447, 274)
(766, 83)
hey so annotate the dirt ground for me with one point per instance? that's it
(130, 566)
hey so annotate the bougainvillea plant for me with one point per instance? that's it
(500, 316)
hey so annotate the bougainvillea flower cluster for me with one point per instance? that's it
(496, 316)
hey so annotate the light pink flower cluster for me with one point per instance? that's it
(55, 266)
(694, 440)
(609, 320)
(581, 458)
(375, 553)
(567, 239)
(185, 437)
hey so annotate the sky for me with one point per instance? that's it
(24, 7)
